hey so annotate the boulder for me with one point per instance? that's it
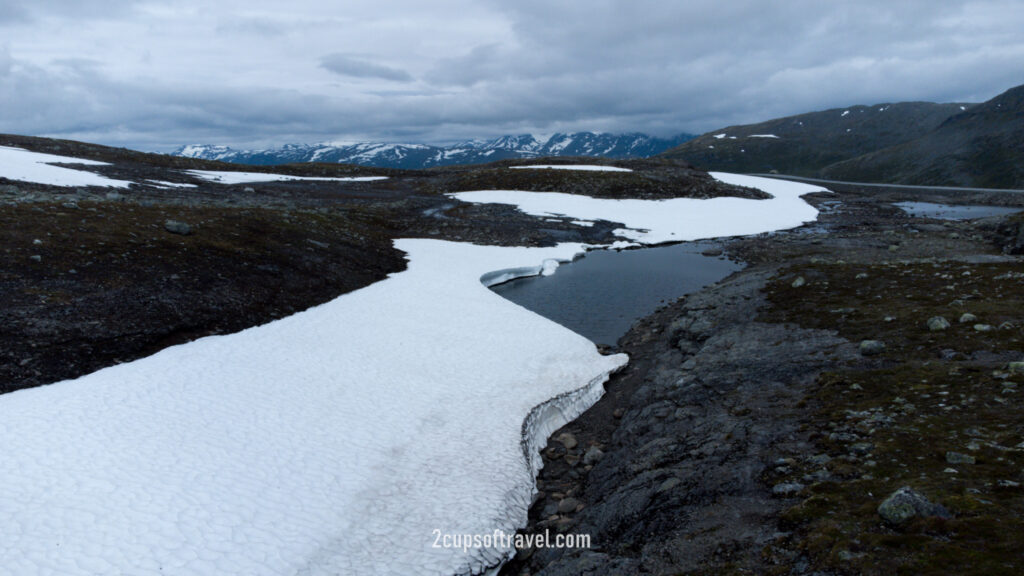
(938, 323)
(906, 504)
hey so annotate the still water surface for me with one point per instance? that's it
(953, 212)
(601, 295)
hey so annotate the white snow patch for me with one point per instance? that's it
(677, 219)
(963, 107)
(720, 136)
(248, 177)
(589, 167)
(549, 267)
(764, 135)
(845, 112)
(22, 165)
(333, 441)
(162, 184)
(587, 223)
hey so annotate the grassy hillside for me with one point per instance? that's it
(982, 146)
(806, 143)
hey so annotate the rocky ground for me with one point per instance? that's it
(812, 414)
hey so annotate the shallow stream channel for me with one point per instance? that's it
(602, 294)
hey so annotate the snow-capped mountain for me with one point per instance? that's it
(415, 156)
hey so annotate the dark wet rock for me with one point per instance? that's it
(567, 505)
(568, 440)
(671, 480)
(906, 504)
(592, 456)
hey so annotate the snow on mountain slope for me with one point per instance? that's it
(416, 156)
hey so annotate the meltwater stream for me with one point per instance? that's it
(602, 294)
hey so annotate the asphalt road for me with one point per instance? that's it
(888, 186)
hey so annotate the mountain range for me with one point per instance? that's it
(418, 156)
(923, 143)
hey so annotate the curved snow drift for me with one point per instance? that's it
(674, 220)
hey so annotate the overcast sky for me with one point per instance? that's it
(155, 75)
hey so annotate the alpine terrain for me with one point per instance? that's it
(417, 156)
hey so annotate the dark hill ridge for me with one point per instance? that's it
(982, 146)
(804, 144)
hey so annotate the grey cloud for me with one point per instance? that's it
(345, 65)
(658, 67)
(6, 62)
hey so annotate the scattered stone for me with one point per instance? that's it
(861, 276)
(785, 489)
(115, 196)
(36, 258)
(712, 252)
(592, 456)
(820, 459)
(175, 227)
(249, 190)
(893, 247)
(567, 505)
(1008, 484)
(907, 503)
(862, 448)
(938, 323)
(8, 189)
(871, 347)
(968, 317)
(567, 440)
(618, 413)
(958, 458)
(1016, 367)
(983, 327)
(800, 281)
(1007, 326)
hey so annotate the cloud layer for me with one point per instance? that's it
(255, 72)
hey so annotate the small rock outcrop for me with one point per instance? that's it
(176, 227)
(906, 504)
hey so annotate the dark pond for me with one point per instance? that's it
(602, 294)
(952, 212)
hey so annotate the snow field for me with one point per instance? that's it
(19, 164)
